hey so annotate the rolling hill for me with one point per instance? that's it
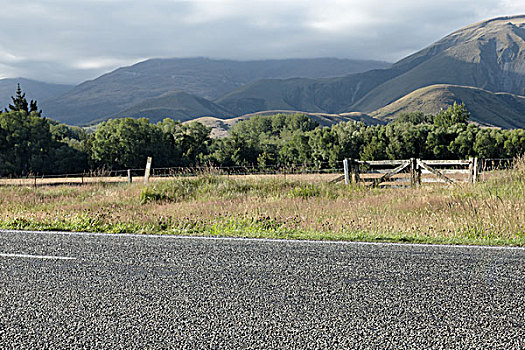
(486, 107)
(128, 87)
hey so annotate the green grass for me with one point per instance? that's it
(208, 187)
(264, 227)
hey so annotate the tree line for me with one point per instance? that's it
(31, 144)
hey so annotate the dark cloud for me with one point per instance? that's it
(70, 41)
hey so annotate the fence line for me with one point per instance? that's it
(380, 172)
(127, 175)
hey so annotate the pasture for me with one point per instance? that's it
(279, 206)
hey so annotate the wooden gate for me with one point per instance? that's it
(409, 172)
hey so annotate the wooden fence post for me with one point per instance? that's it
(471, 170)
(147, 171)
(415, 172)
(347, 171)
(475, 170)
(355, 171)
(130, 179)
(418, 173)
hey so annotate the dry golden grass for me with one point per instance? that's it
(78, 180)
(492, 212)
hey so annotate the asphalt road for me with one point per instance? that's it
(89, 291)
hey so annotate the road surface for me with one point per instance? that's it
(95, 291)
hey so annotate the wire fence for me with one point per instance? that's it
(245, 170)
(123, 175)
(489, 164)
(126, 175)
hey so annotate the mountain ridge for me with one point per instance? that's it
(480, 63)
(467, 57)
(489, 55)
(126, 87)
(178, 105)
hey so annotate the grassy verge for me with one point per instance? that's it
(491, 213)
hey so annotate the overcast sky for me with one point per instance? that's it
(70, 41)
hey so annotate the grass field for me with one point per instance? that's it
(292, 207)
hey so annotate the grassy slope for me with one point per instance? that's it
(487, 55)
(487, 108)
(492, 212)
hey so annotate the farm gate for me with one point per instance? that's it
(409, 172)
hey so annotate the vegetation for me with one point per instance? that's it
(277, 207)
(300, 207)
(30, 144)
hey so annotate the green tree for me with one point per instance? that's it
(374, 143)
(455, 114)
(26, 144)
(405, 140)
(234, 150)
(350, 137)
(463, 144)
(190, 141)
(413, 118)
(514, 144)
(71, 149)
(126, 143)
(20, 103)
(296, 150)
(325, 147)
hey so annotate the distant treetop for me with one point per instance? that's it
(20, 103)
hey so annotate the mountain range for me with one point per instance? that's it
(489, 55)
(482, 65)
(129, 88)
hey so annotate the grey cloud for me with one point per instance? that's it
(70, 41)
